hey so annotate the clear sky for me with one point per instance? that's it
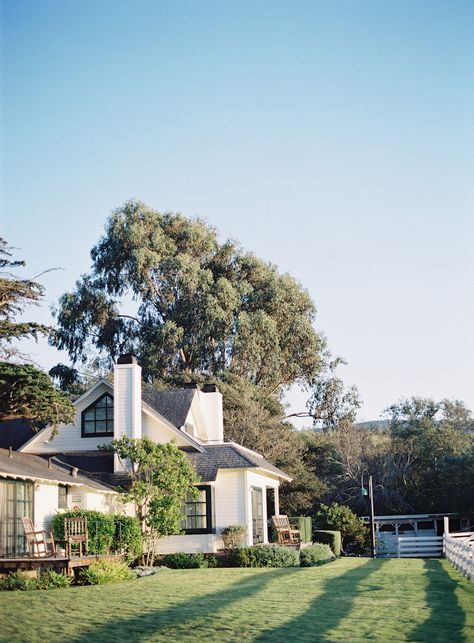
(335, 139)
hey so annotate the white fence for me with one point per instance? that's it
(459, 550)
(419, 546)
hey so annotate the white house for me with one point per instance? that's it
(238, 486)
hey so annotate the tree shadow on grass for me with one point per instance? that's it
(192, 617)
(446, 617)
(328, 609)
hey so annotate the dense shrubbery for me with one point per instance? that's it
(233, 537)
(108, 533)
(21, 581)
(317, 554)
(101, 572)
(354, 533)
(329, 537)
(18, 581)
(266, 556)
(181, 560)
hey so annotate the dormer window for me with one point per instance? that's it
(98, 418)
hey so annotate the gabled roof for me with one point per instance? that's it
(174, 405)
(230, 455)
(34, 467)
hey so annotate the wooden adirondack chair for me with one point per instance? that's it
(76, 533)
(285, 534)
(38, 540)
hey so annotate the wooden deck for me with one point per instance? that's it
(58, 563)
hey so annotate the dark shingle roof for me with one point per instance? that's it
(34, 467)
(14, 433)
(229, 456)
(172, 405)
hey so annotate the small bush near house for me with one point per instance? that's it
(233, 537)
(331, 538)
(18, 581)
(317, 554)
(101, 572)
(127, 538)
(180, 560)
(267, 556)
(355, 534)
(52, 580)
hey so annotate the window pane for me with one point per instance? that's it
(100, 426)
(100, 413)
(89, 427)
(100, 404)
(89, 415)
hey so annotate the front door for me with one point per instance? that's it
(16, 502)
(257, 515)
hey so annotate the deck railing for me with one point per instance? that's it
(459, 550)
(419, 546)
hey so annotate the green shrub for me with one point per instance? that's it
(212, 561)
(101, 528)
(331, 538)
(265, 556)
(233, 537)
(317, 554)
(127, 538)
(52, 580)
(354, 532)
(107, 532)
(180, 560)
(305, 526)
(101, 572)
(18, 581)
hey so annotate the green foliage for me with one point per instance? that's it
(161, 475)
(52, 580)
(18, 581)
(233, 537)
(180, 560)
(340, 517)
(305, 526)
(101, 528)
(108, 533)
(265, 556)
(331, 538)
(128, 537)
(202, 306)
(317, 554)
(101, 572)
(25, 391)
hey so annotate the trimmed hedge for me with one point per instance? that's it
(181, 560)
(317, 554)
(331, 538)
(108, 533)
(265, 556)
(305, 525)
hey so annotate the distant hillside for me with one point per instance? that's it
(373, 424)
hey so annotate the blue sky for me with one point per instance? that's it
(335, 139)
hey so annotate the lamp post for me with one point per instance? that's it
(370, 494)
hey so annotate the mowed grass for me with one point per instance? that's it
(352, 599)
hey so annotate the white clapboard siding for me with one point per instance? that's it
(459, 550)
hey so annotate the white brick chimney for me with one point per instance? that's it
(211, 404)
(127, 400)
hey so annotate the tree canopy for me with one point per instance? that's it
(25, 390)
(199, 306)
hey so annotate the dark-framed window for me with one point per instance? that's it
(197, 512)
(62, 496)
(98, 418)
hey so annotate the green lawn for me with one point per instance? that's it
(353, 599)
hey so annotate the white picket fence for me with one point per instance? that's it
(419, 546)
(459, 550)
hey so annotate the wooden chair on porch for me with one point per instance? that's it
(76, 534)
(40, 542)
(286, 535)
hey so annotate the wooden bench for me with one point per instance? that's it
(286, 535)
